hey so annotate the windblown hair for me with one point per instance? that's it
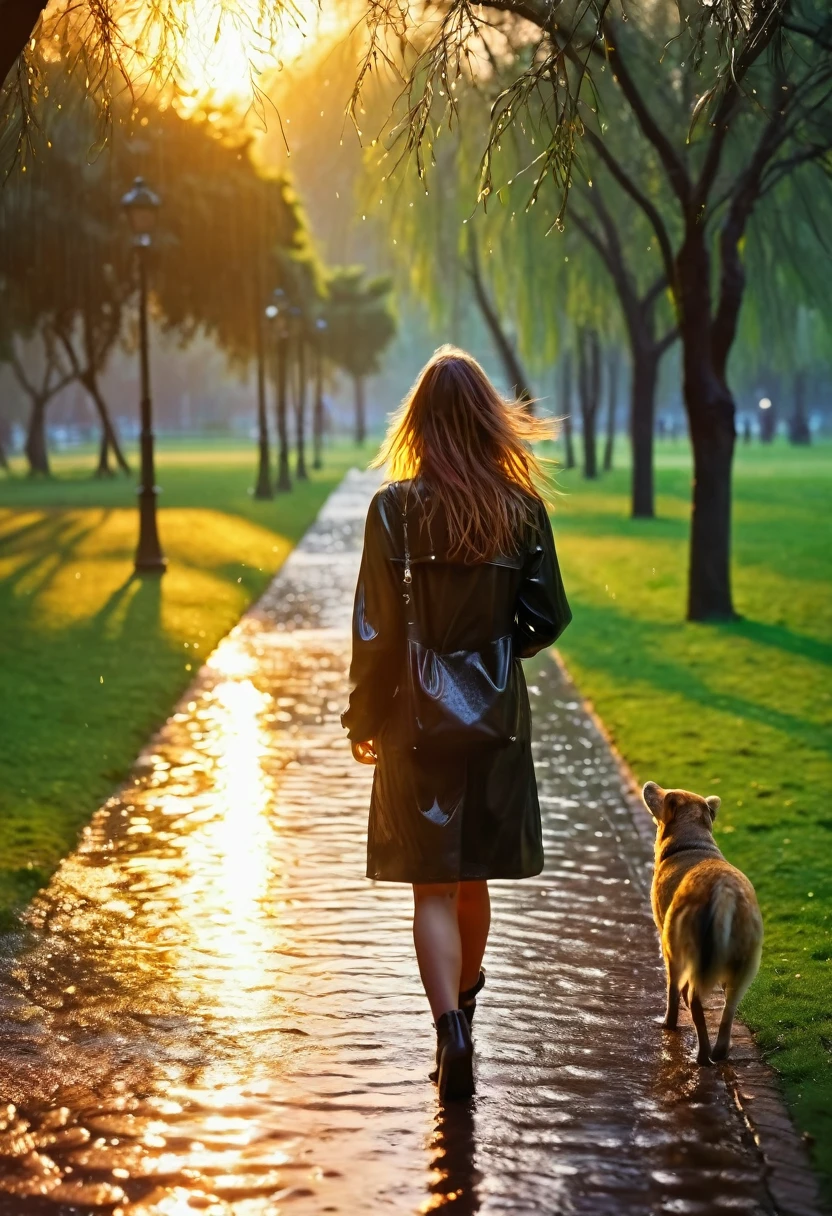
(470, 449)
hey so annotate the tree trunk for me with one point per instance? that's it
(300, 414)
(709, 591)
(589, 385)
(37, 452)
(109, 438)
(711, 421)
(612, 404)
(508, 356)
(284, 477)
(642, 415)
(263, 488)
(360, 410)
(5, 432)
(103, 468)
(566, 402)
(798, 423)
(18, 19)
(318, 410)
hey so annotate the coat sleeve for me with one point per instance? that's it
(377, 632)
(542, 609)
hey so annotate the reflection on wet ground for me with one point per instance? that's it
(212, 1011)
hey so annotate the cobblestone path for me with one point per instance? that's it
(213, 1012)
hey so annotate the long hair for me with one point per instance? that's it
(470, 448)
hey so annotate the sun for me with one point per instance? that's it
(225, 48)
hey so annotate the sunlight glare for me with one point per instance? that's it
(227, 47)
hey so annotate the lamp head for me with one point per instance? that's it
(141, 205)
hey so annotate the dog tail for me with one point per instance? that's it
(716, 921)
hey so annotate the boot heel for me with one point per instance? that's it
(456, 1057)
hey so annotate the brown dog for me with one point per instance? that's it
(706, 912)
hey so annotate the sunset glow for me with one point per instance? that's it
(226, 52)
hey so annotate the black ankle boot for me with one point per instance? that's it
(454, 1057)
(468, 998)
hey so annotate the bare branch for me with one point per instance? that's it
(674, 167)
(638, 196)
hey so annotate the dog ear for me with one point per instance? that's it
(713, 805)
(653, 796)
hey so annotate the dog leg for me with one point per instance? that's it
(698, 1015)
(671, 1016)
(734, 992)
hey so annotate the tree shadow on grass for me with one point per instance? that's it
(606, 631)
(780, 638)
(53, 545)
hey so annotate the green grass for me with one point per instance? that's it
(93, 658)
(741, 710)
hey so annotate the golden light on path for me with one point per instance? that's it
(228, 859)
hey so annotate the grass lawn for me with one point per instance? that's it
(741, 710)
(93, 658)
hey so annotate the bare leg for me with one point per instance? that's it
(438, 945)
(698, 1015)
(474, 918)
(671, 1016)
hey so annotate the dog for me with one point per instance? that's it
(706, 912)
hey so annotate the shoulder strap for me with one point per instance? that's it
(407, 577)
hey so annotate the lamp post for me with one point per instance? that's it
(277, 313)
(141, 206)
(318, 415)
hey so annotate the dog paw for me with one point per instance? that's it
(704, 1061)
(665, 1025)
(719, 1053)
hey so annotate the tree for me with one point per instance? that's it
(515, 374)
(726, 103)
(360, 325)
(40, 387)
(784, 338)
(66, 258)
(231, 234)
(615, 235)
(566, 396)
(589, 394)
(28, 342)
(613, 357)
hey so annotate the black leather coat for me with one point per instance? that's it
(449, 817)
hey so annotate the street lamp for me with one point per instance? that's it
(141, 206)
(318, 416)
(277, 313)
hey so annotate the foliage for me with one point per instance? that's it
(724, 103)
(227, 232)
(360, 320)
(786, 324)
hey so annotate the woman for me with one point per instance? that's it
(459, 579)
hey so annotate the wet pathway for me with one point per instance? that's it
(214, 1012)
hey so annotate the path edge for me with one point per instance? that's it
(788, 1171)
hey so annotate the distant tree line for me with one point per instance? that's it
(230, 234)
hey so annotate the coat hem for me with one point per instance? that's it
(497, 876)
